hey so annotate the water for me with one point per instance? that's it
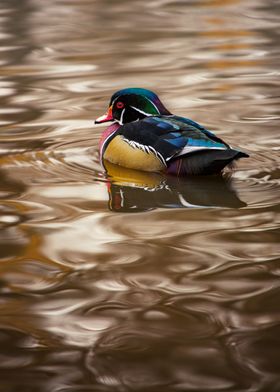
(137, 282)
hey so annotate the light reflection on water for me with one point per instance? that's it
(128, 281)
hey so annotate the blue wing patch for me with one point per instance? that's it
(204, 143)
(162, 123)
(178, 142)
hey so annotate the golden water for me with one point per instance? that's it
(137, 282)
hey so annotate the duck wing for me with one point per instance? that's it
(169, 137)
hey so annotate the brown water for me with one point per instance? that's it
(137, 282)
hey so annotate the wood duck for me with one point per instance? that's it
(146, 136)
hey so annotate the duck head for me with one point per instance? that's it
(132, 104)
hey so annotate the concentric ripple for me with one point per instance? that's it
(115, 280)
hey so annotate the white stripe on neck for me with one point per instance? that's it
(153, 105)
(141, 111)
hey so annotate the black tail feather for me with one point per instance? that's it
(207, 162)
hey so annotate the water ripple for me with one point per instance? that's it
(117, 280)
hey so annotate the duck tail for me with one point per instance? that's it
(205, 162)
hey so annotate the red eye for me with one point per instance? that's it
(120, 105)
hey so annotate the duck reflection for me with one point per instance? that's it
(135, 191)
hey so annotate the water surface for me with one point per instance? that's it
(129, 281)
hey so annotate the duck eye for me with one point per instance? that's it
(120, 105)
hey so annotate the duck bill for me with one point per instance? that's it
(106, 117)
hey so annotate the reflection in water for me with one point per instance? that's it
(134, 191)
(178, 298)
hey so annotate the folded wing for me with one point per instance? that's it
(170, 137)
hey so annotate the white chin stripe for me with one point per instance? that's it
(121, 118)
